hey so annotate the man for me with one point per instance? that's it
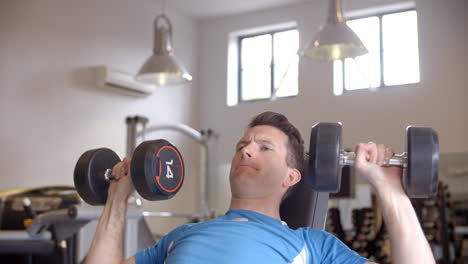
(267, 162)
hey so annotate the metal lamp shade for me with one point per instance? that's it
(335, 40)
(163, 68)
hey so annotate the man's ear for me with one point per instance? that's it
(294, 176)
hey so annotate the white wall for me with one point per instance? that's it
(52, 111)
(437, 101)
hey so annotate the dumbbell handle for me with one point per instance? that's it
(399, 160)
(108, 175)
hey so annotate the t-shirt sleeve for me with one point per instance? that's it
(329, 249)
(157, 254)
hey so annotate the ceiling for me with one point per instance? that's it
(201, 9)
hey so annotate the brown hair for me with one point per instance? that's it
(295, 147)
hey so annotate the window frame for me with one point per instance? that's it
(272, 64)
(379, 15)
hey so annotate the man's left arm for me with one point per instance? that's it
(408, 243)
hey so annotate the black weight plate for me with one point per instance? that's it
(422, 174)
(89, 174)
(324, 167)
(157, 170)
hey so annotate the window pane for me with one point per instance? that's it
(256, 51)
(256, 73)
(285, 48)
(256, 83)
(400, 48)
(337, 77)
(365, 69)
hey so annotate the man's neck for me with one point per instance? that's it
(260, 205)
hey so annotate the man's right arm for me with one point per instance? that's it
(107, 245)
(408, 243)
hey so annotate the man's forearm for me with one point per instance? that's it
(108, 240)
(408, 243)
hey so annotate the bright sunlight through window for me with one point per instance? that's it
(268, 66)
(393, 58)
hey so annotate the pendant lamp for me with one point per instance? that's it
(163, 68)
(335, 40)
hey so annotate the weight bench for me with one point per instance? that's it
(305, 207)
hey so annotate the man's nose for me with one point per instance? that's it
(248, 150)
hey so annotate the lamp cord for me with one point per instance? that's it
(275, 91)
(364, 76)
(358, 66)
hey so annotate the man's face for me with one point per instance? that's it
(258, 168)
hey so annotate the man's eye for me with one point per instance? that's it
(263, 148)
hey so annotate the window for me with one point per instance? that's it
(268, 64)
(393, 58)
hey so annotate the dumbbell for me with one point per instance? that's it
(420, 163)
(157, 171)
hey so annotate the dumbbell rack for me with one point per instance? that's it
(368, 240)
(434, 216)
(202, 138)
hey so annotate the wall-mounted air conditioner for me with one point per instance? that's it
(121, 80)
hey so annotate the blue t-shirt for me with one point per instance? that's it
(242, 236)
